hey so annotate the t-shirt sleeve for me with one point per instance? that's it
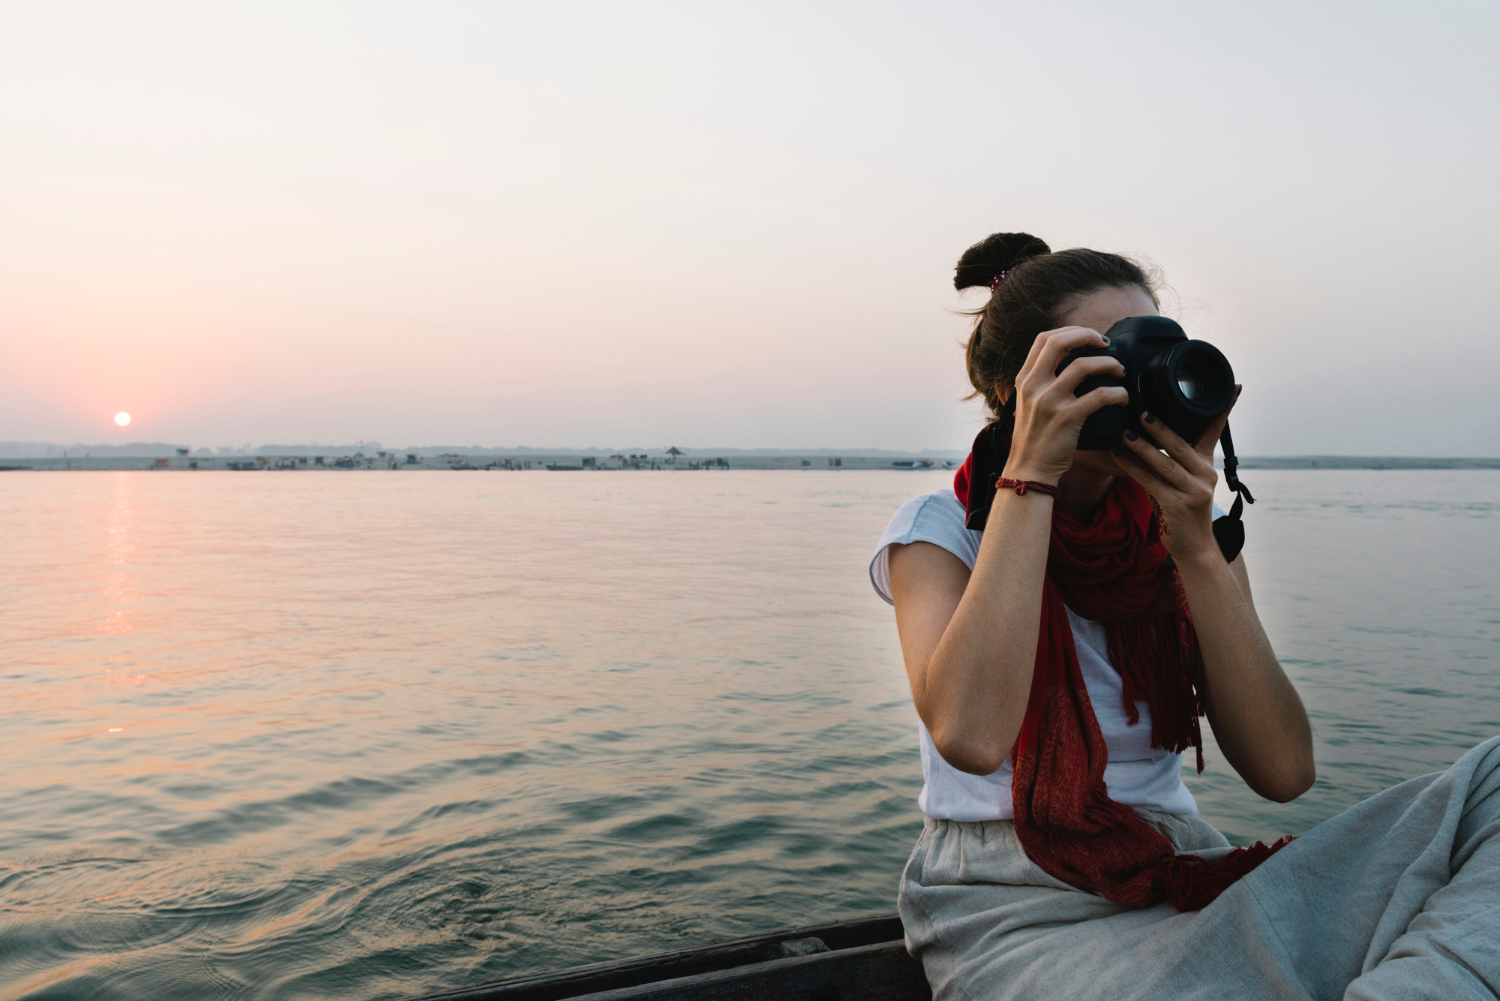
(937, 518)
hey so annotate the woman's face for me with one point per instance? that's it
(1101, 310)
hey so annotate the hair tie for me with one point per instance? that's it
(997, 280)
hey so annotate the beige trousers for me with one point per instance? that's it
(1396, 898)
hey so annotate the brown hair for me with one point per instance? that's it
(1038, 287)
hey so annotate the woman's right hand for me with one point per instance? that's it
(1048, 415)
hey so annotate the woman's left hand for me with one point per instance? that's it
(1180, 478)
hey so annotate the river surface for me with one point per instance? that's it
(362, 735)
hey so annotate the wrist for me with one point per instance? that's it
(1203, 557)
(1025, 472)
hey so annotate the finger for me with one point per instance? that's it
(1168, 469)
(1037, 344)
(1098, 398)
(1143, 474)
(1211, 434)
(1035, 354)
(1060, 342)
(1172, 443)
(1080, 369)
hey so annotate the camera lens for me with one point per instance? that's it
(1194, 380)
(1202, 376)
(1191, 380)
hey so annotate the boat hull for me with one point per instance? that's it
(844, 961)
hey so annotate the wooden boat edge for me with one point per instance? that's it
(708, 968)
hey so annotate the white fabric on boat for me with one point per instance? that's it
(1396, 898)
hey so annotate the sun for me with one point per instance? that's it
(122, 418)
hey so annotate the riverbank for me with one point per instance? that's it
(527, 462)
(575, 462)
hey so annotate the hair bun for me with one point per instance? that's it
(995, 253)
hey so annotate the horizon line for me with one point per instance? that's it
(24, 450)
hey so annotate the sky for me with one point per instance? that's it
(726, 224)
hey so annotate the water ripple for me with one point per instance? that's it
(360, 737)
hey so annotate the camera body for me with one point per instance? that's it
(1184, 383)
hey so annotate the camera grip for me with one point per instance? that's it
(1103, 428)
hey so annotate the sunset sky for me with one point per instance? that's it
(711, 224)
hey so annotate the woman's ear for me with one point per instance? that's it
(1003, 392)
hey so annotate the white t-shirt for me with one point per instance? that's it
(1136, 775)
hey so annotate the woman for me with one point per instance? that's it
(1060, 659)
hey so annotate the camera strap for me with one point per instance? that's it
(986, 464)
(1229, 530)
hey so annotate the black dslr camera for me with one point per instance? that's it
(1185, 384)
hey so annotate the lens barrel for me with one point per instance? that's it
(1191, 378)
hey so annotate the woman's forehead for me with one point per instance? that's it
(1103, 307)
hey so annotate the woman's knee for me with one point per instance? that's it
(1481, 811)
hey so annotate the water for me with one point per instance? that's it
(364, 735)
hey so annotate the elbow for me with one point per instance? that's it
(1289, 783)
(976, 757)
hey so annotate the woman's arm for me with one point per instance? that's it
(1255, 713)
(969, 640)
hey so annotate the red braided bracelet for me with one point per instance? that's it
(1021, 486)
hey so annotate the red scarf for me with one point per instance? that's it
(1114, 569)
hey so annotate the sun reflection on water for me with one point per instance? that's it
(119, 586)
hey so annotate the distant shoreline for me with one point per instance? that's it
(1363, 462)
(726, 459)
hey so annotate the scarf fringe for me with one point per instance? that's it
(1190, 883)
(1161, 665)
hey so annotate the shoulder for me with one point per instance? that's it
(935, 517)
(938, 511)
